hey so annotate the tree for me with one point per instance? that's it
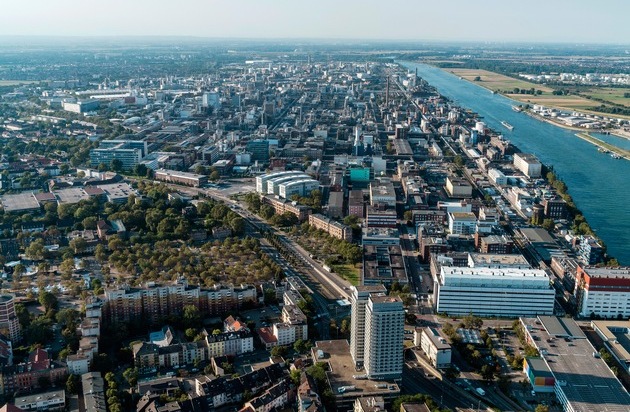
(131, 375)
(48, 300)
(296, 374)
(459, 161)
(487, 373)
(67, 317)
(72, 384)
(214, 176)
(67, 267)
(408, 215)
(36, 250)
(191, 317)
(100, 253)
(541, 408)
(237, 225)
(279, 351)
(472, 322)
(19, 270)
(89, 223)
(548, 224)
(190, 334)
(78, 244)
(116, 165)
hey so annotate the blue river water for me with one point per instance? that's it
(597, 182)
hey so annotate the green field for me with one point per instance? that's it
(506, 84)
(610, 94)
(348, 272)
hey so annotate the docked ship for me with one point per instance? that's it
(517, 108)
(507, 125)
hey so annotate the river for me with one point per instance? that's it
(596, 181)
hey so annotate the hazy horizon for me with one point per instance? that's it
(495, 21)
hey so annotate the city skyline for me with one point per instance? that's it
(454, 20)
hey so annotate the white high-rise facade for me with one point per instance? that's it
(376, 340)
(360, 295)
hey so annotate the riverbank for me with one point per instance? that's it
(585, 171)
(625, 154)
(546, 120)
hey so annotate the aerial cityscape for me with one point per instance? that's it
(266, 207)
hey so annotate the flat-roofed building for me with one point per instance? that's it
(380, 236)
(528, 164)
(383, 265)
(380, 218)
(457, 187)
(462, 223)
(616, 337)
(273, 184)
(603, 291)
(335, 205)
(9, 322)
(281, 206)
(48, 401)
(117, 192)
(539, 374)
(384, 329)
(356, 205)
(582, 381)
(346, 382)
(333, 228)
(184, 178)
(499, 261)
(497, 177)
(93, 392)
(508, 292)
(128, 152)
(21, 202)
(359, 299)
(300, 187)
(382, 193)
(495, 244)
(434, 346)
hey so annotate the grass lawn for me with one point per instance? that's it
(348, 272)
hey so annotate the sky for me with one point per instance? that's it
(549, 21)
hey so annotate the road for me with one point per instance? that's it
(414, 381)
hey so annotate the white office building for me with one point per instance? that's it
(273, 185)
(384, 335)
(493, 291)
(434, 346)
(359, 300)
(528, 164)
(300, 187)
(261, 181)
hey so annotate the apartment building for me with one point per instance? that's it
(155, 302)
(333, 228)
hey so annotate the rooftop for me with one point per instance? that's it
(586, 381)
(20, 201)
(342, 372)
(603, 272)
